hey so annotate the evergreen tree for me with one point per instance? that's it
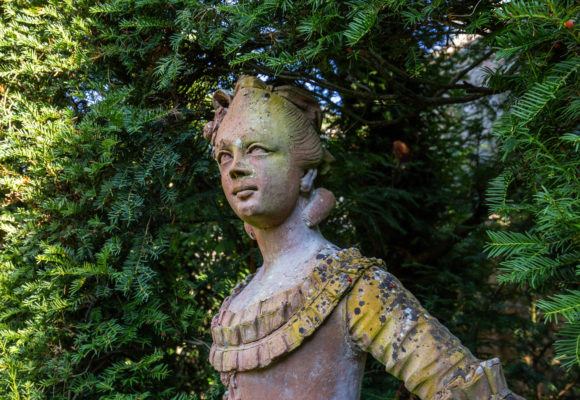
(538, 193)
(102, 290)
(117, 245)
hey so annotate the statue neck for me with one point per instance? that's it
(290, 244)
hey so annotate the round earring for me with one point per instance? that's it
(250, 231)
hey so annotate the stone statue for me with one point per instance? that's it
(302, 325)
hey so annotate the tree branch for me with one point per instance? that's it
(380, 63)
(363, 121)
(198, 342)
(437, 101)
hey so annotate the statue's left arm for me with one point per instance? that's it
(386, 320)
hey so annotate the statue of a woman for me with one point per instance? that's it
(301, 326)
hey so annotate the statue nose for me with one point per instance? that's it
(240, 170)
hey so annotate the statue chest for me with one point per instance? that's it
(326, 366)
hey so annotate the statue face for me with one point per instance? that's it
(260, 178)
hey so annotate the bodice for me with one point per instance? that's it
(326, 366)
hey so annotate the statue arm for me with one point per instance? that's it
(386, 320)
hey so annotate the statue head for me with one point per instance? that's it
(267, 145)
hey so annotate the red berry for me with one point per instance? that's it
(391, 285)
(569, 23)
(349, 49)
(557, 44)
(348, 278)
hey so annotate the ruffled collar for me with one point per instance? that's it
(255, 336)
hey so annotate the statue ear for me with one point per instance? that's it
(221, 98)
(307, 181)
(221, 101)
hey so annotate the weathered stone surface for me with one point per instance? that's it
(301, 326)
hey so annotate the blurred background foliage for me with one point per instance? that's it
(454, 126)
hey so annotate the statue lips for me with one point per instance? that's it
(243, 192)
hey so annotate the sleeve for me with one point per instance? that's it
(386, 320)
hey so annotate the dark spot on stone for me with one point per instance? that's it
(395, 352)
(383, 319)
(361, 303)
(302, 331)
(357, 311)
(319, 256)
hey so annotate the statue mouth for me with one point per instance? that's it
(243, 192)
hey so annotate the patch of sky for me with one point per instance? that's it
(334, 67)
(85, 97)
(93, 97)
(268, 29)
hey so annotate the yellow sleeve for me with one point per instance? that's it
(386, 320)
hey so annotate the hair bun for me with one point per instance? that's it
(321, 202)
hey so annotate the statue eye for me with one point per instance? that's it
(257, 150)
(223, 157)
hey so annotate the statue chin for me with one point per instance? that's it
(261, 220)
(314, 208)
